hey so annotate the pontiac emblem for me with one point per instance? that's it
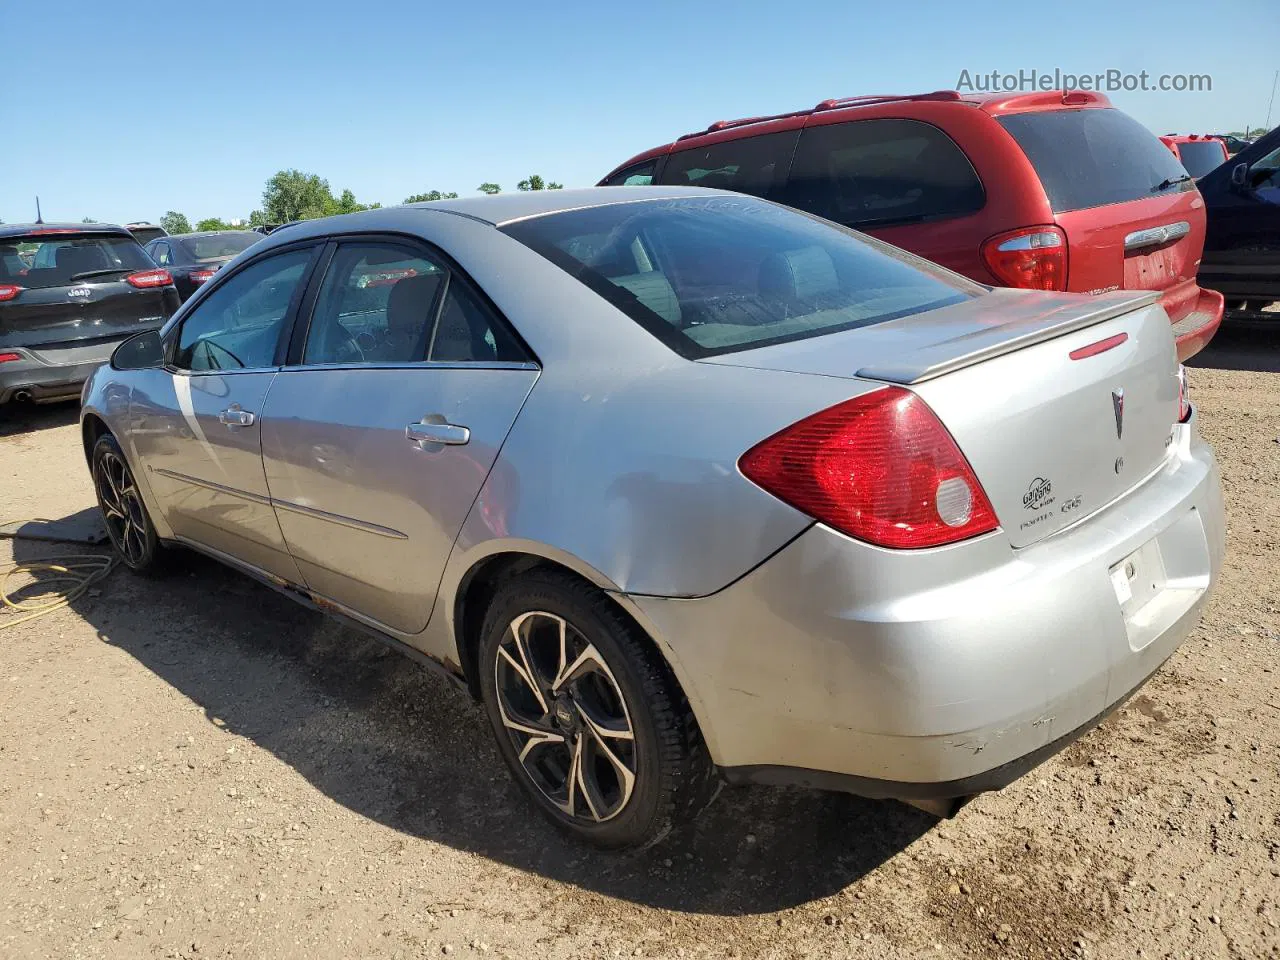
(1117, 403)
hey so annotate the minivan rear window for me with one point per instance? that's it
(61, 258)
(711, 275)
(1093, 157)
(1200, 158)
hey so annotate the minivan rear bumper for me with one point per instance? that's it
(1194, 330)
(933, 673)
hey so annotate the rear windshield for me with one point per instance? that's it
(711, 275)
(1090, 158)
(38, 261)
(219, 244)
(1200, 158)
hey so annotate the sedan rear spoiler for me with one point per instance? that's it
(974, 345)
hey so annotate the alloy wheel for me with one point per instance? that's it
(122, 509)
(566, 716)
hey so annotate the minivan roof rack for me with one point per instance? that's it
(949, 96)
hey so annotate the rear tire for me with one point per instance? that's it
(588, 716)
(129, 526)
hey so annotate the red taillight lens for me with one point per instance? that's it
(8, 291)
(150, 278)
(200, 276)
(1184, 396)
(9, 357)
(880, 467)
(1034, 258)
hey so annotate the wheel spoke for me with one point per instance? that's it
(572, 779)
(626, 777)
(618, 729)
(588, 658)
(523, 672)
(593, 806)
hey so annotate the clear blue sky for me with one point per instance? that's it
(124, 110)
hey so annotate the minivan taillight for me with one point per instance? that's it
(8, 291)
(1033, 258)
(880, 467)
(150, 278)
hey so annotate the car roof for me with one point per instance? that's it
(506, 207)
(10, 230)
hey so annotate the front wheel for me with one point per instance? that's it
(588, 716)
(124, 514)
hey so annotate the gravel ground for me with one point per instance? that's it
(198, 768)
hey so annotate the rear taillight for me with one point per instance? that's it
(880, 467)
(150, 278)
(8, 291)
(1034, 258)
(200, 276)
(9, 357)
(1184, 396)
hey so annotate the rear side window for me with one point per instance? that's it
(1091, 158)
(750, 165)
(710, 275)
(638, 175)
(875, 172)
(61, 259)
(1200, 158)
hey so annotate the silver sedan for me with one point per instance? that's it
(684, 486)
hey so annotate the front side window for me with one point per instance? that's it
(711, 275)
(748, 165)
(239, 325)
(376, 305)
(638, 175)
(868, 173)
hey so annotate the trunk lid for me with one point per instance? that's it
(1052, 438)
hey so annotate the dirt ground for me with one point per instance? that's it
(198, 768)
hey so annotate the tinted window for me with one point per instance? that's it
(1200, 158)
(160, 254)
(469, 332)
(146, 234)
(239, 324)
(714, 275)
(61, 259)
(639, 175)
(376, 305)
(218, 245)
(1089, 158)
(871, 172)
(750, 165)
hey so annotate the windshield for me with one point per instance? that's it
(1200, 158)
(217, 245)
(711, 275)
(38, 261)
(1090, 158)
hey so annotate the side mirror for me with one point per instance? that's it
(140, 352)
(1239, 174)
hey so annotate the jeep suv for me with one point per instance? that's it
(1050, 191)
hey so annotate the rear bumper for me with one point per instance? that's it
(1194, 330)
(1237, 282)
(942, 672)
(34, 378)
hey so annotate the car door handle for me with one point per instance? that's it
(433, 430)
(233, 416)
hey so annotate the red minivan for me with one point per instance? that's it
(1053, 191)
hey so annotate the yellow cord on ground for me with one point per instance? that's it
(82, 570)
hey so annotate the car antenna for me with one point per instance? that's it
(39, 218)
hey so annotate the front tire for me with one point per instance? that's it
(587, 715)
(125, 516)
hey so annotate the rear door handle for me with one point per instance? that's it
(433, 429)
(233, 416)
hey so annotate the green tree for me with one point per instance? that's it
(489, 188)
(88, 220)
(536, 182)
(346, 203)
(430, 195)
(294, 195)
(174, 222)
(213, 223)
